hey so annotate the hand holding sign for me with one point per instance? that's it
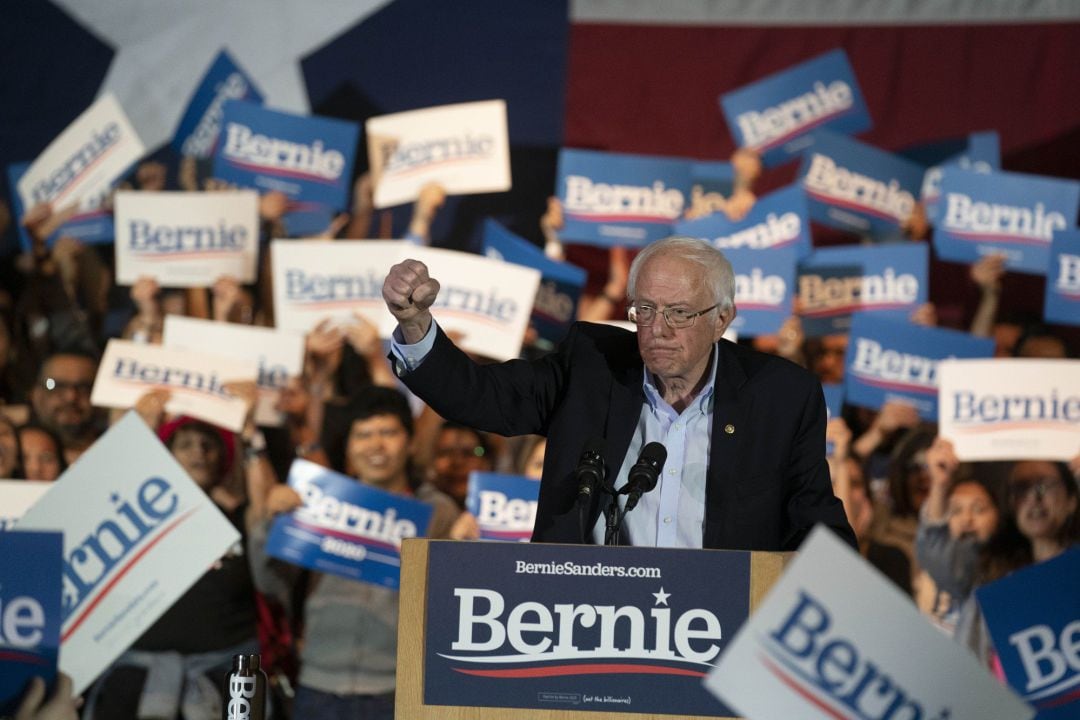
(409, 294)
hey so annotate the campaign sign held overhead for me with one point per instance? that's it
(195, 380)
(836, 640)
(1010, 408)
(576, 628)
(560, 283)
(488, 301)
(31, 564)
(617, 199)
(18, 496)
(137, 534)
(186, 239)
(82, 163)
(712, 183)
(764, 288)
(465, 148)
(315, 280)
(856, 187)
(199, 128)
(91, 224)
(310, 159)
(1035, 633)
(278, 355)
(775, 115)
(778, 220)
(982, 155)
(504, 505)
(1063, 279)
(345, 527)
(894, 360)
(887, 280)
(1008, 213)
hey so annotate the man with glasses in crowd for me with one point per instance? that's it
(61, 401)
(744, 431)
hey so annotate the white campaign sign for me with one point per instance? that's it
(315, 280)
(137, 534)
(18, 496)
(465, 148)
(278, 355)
(84, 160)
(196, 380)
(1010, 408)
(488, 301)
(835, 639)
(184, 239)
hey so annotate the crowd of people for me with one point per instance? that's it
(936, 527)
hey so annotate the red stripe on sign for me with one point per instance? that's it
(124, 571)
(22, 657)
(797, 687)
(592, 669)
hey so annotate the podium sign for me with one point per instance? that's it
(579, 628)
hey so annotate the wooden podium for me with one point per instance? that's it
(765, 569)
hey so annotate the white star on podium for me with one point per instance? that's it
(164, 48)
(661, 597)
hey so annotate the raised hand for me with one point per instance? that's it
(409, 293)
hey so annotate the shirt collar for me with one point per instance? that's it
(704, 399)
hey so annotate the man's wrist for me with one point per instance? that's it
(414, 330)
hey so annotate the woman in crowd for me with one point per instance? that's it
(959, 516)
(175, 668)
(1041, 521)
(42, 453)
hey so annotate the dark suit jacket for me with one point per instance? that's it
(767, 485)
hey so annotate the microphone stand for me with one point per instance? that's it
(613, 514)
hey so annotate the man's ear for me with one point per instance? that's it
(723, 320)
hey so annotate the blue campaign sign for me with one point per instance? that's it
(712, 181)
(345, 527)
(310, 159)
(504, 505)
(578, 628)
(31, 568)
(856, 187)
(982, 155)
(615, 199)
(307, 219)
(886, 280)
(560, 283)
(200, 125)
(91, 227)
(780, 219)
(893, 360)
(1063, 279)
(775, 115)
(1035, 633)
(764, 288)
(1007, 213)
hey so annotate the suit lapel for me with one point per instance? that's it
(731, 413)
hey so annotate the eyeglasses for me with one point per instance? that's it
(52, 385)
(677, 318)
(1042, 487)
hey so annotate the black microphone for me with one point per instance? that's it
(644, 474)
(590, 472)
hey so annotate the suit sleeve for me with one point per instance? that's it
(510, 398)
(810, 498)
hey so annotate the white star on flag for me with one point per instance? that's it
(164, 48)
